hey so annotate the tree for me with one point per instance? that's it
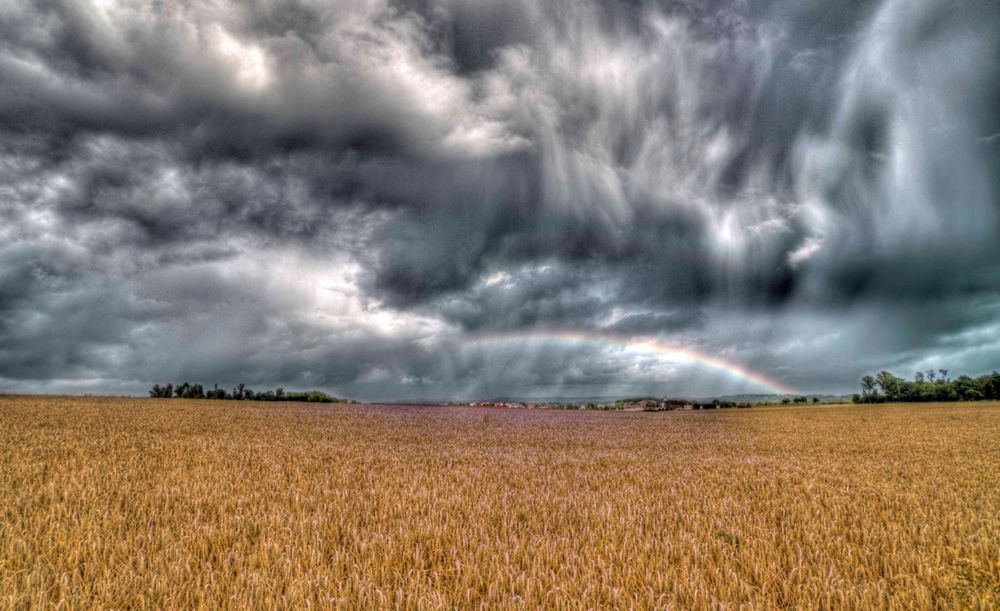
(241, 392)
(159, 392)
(968, 389)
(889, 384)
(930, 387)
(867, 386)
(991, 386)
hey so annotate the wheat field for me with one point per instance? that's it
(142, 503)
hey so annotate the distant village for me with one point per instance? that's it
(644, 404)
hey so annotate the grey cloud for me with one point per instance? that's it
(658, 322)
(452, 167)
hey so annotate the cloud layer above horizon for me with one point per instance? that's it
(345, 195)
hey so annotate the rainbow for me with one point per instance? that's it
(636, 344)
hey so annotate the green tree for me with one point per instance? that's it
(968, 389)
(889, 384)
(867, 387)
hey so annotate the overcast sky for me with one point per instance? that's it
(351, 195)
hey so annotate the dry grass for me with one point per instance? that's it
(153, 504)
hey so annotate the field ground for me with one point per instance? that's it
(141, 503)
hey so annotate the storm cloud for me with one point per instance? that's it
(344, 195)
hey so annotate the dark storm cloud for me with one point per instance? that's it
(337, 193)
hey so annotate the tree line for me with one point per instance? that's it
(239, 393)
(932, 385)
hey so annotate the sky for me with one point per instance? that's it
(451, 199)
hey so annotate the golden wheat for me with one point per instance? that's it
(130, 503)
